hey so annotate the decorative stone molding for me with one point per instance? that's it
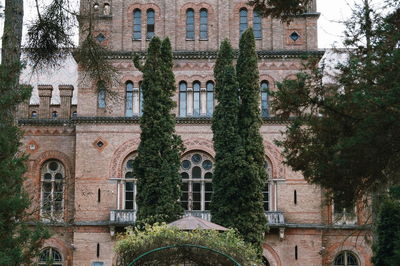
(199, 144)
(119, 156)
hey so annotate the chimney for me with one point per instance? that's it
(66, 92)
(45, 97)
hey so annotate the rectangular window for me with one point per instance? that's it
(137, 24)
(196, 103)
(203, 24)
(266, 197)
(264, 104)
(150, 24)
(257, 25)
(190, 24)
(182, 104)
(129, 195)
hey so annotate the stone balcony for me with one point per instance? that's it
(125, 217)
(122, 217)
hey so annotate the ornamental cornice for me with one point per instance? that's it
(179, 55)
(127, 120)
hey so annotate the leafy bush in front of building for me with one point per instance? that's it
(218, 246)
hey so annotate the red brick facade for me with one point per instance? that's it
(92, 143)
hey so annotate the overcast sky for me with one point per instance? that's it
(330, 30)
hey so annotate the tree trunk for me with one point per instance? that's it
(12, 36)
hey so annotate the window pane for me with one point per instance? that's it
(190, 24)
(196, 172)
(196, 99)
(257, 25)
(129, 99)
(150, 23)
(137, 17)
(203, 24)
(243, 22)
(182, 99)
(129, 205)
(102, 99)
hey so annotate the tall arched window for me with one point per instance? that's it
(196, 98)
(264, 98)
(137, 24)
(140, 98)
(203, 24)
(182, 99)
(210, 98)
(190, 24)
(243, 20)
(130, 184)
(346, 258)
(50, 257)
(257, 25)
(101, 98)
(129, 99)
(151, 21)
(196, 172)
(52, 198)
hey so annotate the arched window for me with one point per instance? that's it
(196, 98)
(266, 194)
(52, 198)
(140, 99)
(243, 20)
(182, 99)
(101, 98)
(257, 25)
(137, 24)
(264, 98)
(196, 172)
(50, 257)
(203, 24)
(106, 9)
(130, 184)
(190, 24)
(34, 114)
(346, 258)
(210, 98)
(54, 114)
(151, 21)
(129, 99)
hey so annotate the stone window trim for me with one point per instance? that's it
(196, 99)
(52, 190)
(127, 185)
(50, 254)
(235, 18)
(346, 258)
(196, 170)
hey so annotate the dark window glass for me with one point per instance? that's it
(129, 99)
(34, 114)
(243, 20)
(196, 158)
(190, 24)
(257, 25)
(196, 172)
(54, 114)
(203, 24)
(150, 23)
(137, 24)
(196, 99)
(264, 99)
(186, 164)
(182, 99)
(140, 99)
(210, 98)
(101, 98)
(129, 195)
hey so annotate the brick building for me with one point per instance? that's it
(81, 142)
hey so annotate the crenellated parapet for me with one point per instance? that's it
(45, 110)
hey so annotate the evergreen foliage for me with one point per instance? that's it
(18, 241)
(138, 242)
(252, 223)
(387, 245)
(225, 204)
(283, 9)
(158, 161)
(345, 135)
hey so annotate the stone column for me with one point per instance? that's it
(66, 92)
(45, 92)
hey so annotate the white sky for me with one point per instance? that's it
(330, 30)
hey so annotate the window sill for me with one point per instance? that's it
(203, 40)
(136, 40)
(189, 40)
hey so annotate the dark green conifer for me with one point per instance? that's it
(253, 222)
(225, 206)
(158, 161)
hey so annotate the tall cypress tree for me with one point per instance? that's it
(157, 164)
(253, 223)
(225, 206)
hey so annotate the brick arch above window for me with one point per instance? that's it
(120, 154)
(53, 155)
(144, 7)
(199, 144)
(271, 81)
(276, 160)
